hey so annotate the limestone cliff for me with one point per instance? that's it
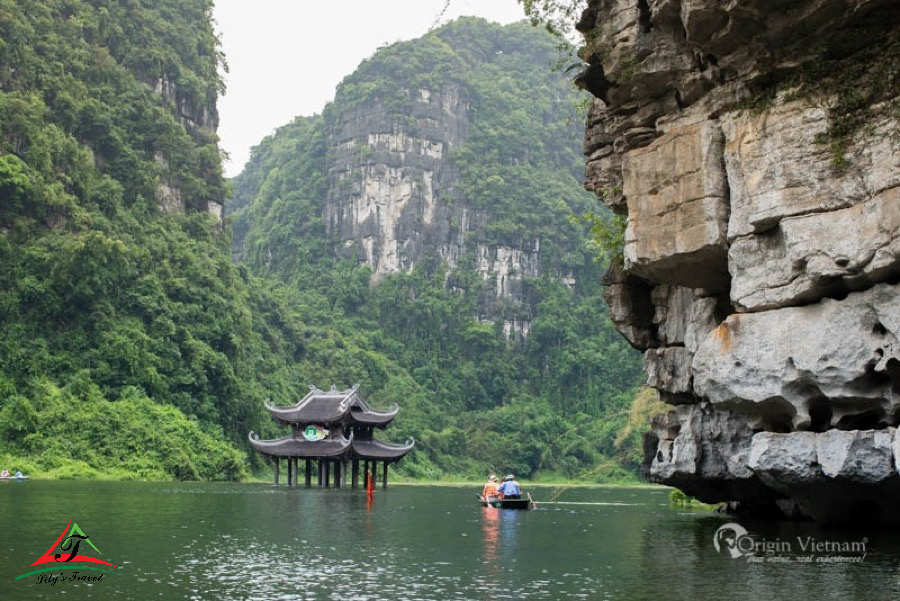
(753, 146)
(393, 198)
(391, 184)
(454, 152)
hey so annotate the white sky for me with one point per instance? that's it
(286, 57)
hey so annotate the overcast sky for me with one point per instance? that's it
(285, 57)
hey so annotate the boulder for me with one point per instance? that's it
(669, 369)
(807, 257)
(835, 363)
(783, 460)
(678, 209)
(864, 457)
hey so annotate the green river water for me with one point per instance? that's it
(258, 541)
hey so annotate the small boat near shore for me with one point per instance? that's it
(523, 502)
(19, 478)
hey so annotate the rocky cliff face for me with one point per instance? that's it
(754, 147)
(200, 119)
(392, 198)
(391, 189)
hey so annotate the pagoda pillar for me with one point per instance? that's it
(384, 471)
(308, 479)
(354, 476)
(290, 471)
(321, 465)
(327, 474)
(337, 474)
(276, 462)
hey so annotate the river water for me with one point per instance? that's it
(257, 541)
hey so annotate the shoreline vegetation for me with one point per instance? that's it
(79, 470)
(86, 473)
(396, 481)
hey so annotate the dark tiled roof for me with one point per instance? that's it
(375, 449)
(373, 418)
(334, 406)
(311, 410)
(297, 447)
(331, 447)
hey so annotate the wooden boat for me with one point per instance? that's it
(20, 478)
(524, 502)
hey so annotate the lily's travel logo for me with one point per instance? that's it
(72, 545)
(733, 540)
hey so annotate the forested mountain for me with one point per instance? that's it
(127, 336)
(429, 216)
(132, 346)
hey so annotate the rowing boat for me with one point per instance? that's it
(524, 502)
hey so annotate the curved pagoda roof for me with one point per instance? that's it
(331, 447)
(299, 447)
(376, 449)
(334, 406)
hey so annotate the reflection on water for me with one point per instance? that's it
(206, 541)
(490, 525)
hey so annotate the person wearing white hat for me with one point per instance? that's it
(509, 489)
(490, 489)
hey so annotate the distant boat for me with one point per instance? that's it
(20, 478)
(523, 502)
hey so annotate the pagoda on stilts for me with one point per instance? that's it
(331, 431)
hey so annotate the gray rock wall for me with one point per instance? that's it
(392, 198)
(388, 176)
(761, 268)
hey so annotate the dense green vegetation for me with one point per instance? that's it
(554, 404)
(131, 346)
(128, 339)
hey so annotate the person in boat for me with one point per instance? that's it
(4, 473)
(490, 489)
(19, 474)
(509, 489)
